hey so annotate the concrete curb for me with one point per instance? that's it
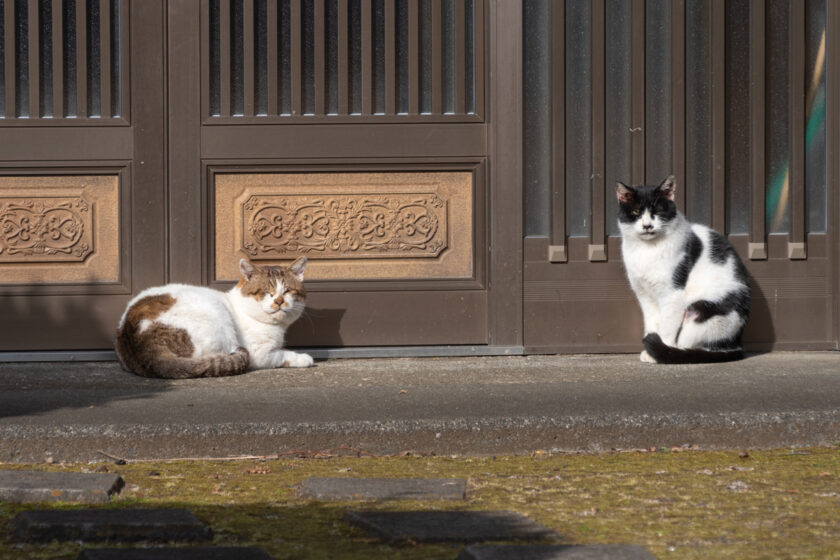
(444, 406)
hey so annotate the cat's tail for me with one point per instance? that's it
(665, 354)
(215, 365)
(160, 357)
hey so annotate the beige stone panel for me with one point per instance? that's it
(59, 229)
(352, 226)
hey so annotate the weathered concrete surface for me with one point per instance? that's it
(477, 405)
(325, 488)
(39, 487)
(448, 526)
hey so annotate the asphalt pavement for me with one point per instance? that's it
(447, 406)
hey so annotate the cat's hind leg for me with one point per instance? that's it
(704, 325)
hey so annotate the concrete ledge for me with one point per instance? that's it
(475, 405)
(482, 436)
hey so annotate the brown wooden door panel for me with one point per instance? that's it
(377, 132)
(81, 175)
(746, 122)
(398, 318)
(164, 96)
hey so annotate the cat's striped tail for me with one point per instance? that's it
(216, 365)
(664, 354)
(162, 357)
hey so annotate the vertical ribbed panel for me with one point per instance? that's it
(723, 94)
(796, 98)
(718, 111)
(345, 58)
(597, 23)
(558, 251)
(678, 32)
(62, 59)
(758, 99)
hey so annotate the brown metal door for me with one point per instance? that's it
(81, 167)
(352, 132)
(739, 100)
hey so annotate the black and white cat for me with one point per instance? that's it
(691, 285)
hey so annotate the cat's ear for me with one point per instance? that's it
(668, 187)
(298, 267)
(246, 269)
(623, 192)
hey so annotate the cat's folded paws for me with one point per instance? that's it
(295, 359)
(647, 358)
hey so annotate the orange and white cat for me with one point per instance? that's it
(179, 331)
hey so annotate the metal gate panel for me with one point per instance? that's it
(292, 61)
(731, 98)
(81, 186)
(299, 98)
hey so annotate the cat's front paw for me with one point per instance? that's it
(295, 359)
(647, 358)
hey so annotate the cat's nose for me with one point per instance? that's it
(647, 227)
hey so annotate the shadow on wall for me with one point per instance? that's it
(760, 335)
(317, 327)
(41, 320)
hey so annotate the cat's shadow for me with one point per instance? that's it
(317, 327)
(759, 335)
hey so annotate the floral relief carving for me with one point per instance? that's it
(345, 226)
(45, 229)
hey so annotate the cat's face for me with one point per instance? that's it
(646, 212)
(273, 294)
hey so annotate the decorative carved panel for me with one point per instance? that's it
(45, 228)
(59, 229)
(341, 226)
(350, 225)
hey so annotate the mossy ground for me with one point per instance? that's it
(689, 504)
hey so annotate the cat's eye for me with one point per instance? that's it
(636, 212)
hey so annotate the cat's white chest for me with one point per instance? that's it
(650, 268)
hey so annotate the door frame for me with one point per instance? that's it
(498, 234)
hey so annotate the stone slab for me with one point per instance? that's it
(448, 526)
(200, 553)
(384, 488)
(39, 487)
(123, 525)
(555, 552)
